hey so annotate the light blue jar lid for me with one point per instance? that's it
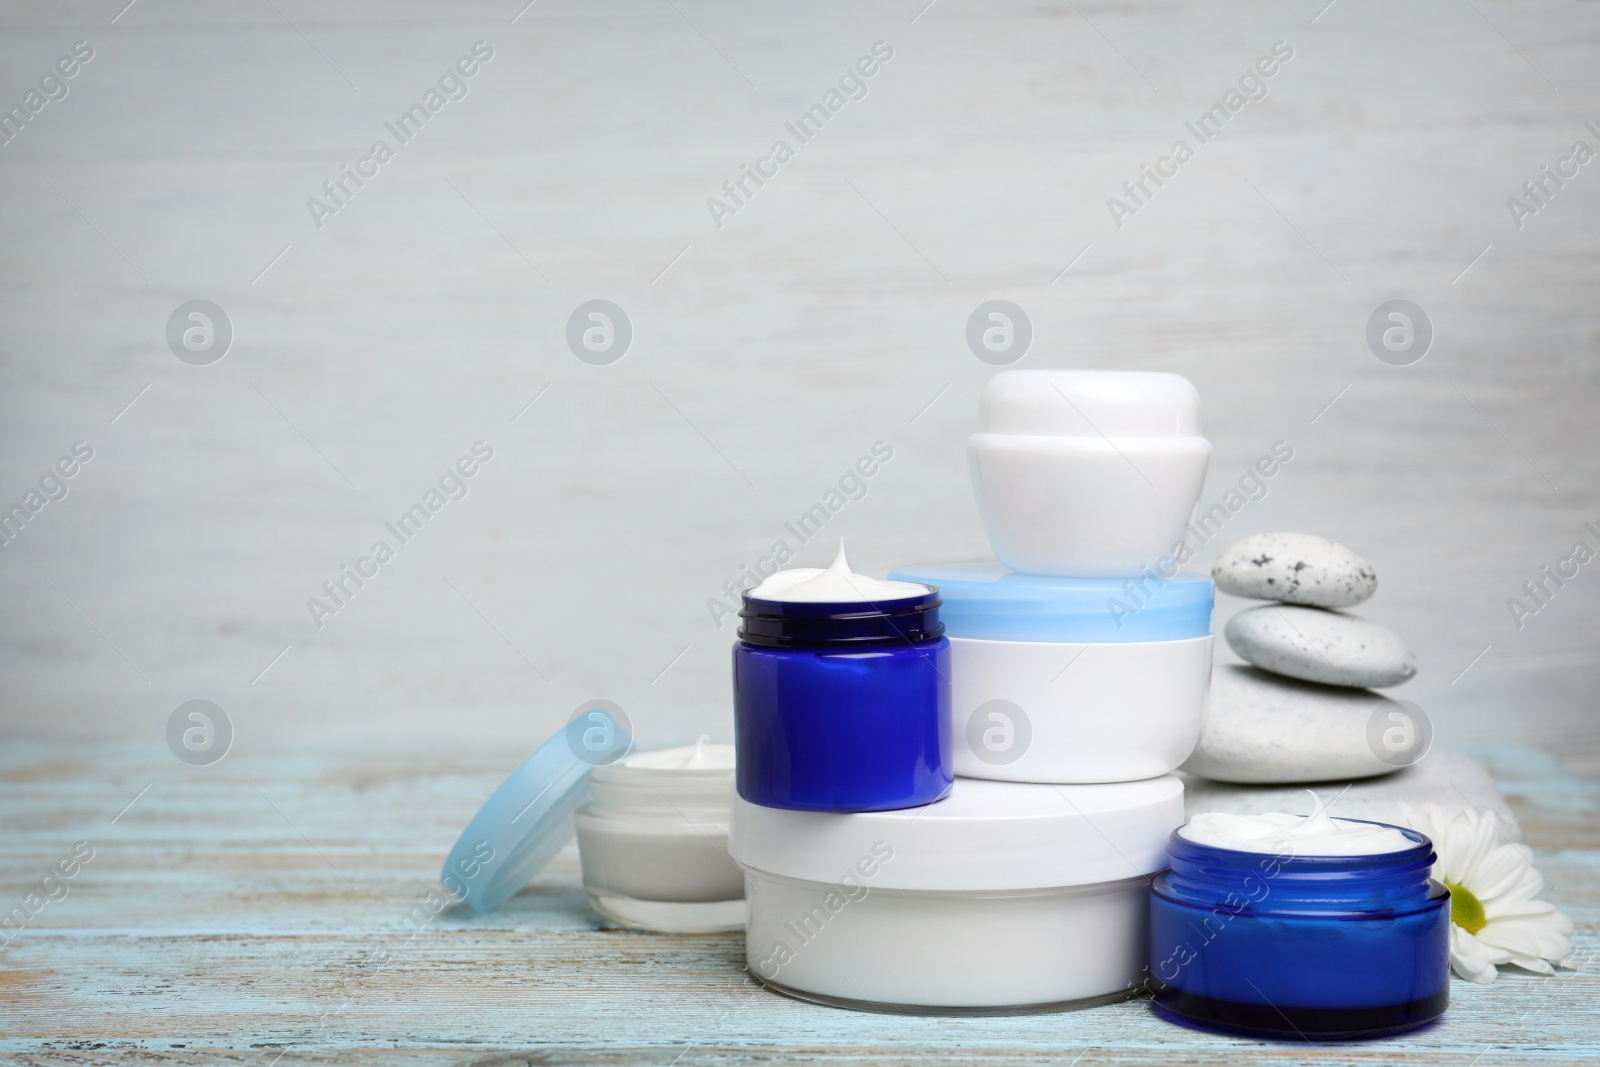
(522, 826)
(986, 601)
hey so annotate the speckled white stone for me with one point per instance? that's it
(1260, 727)
(1321, 646)
(1295, 568)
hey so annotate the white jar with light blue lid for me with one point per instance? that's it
(528, 819)
(1072, 680)
(652, 828)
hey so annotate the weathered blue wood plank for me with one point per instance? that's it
(243, 910)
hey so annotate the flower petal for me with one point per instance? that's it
(1457, 851)
(1482, 842)
(1532, 963)
(1527, 937)
(1430, 820)
(1464, 841)
(1506, 873)
(1473, 960)
(1534, 909)
(1480, 971)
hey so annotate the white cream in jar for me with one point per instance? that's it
(653, 842)
(834, 584)
(1277, 832)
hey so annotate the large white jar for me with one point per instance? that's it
(1001, 898)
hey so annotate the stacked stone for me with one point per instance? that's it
(1305, 710)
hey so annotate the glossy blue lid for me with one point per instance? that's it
(988, 602)
(528, 819)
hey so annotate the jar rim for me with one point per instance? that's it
(1422, 848)
(821, 624)
(824, 609)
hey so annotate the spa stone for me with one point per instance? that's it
(1295, 568)
(1321, 646)
(1263, 728)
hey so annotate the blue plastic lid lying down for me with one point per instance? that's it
(526, 822)
(988, 602)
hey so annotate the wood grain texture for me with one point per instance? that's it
(255, 913)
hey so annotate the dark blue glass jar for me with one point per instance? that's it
(1301, 947)
(842, 707)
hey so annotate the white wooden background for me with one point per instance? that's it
(818, 320)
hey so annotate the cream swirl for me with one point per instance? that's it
(835, 584)
(1283, 834)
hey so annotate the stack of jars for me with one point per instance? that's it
(954, 786)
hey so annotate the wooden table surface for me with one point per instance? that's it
(255, 912)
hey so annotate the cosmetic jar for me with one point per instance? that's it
(1085, 472)
(1072, 679)
(1283, 943)
(528, 818)
(1002, 898)
(841, 705)
(653, 841)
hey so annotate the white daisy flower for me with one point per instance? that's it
(1493, 916)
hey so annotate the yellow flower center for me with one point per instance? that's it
(1466, 910)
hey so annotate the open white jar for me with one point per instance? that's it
(1087, 472)
(1001, 898)
(653, 842)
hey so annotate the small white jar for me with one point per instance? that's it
(1087, 472)
(653, 842)
(1000, 899)
(1072, 680)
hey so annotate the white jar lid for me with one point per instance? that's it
(1090, 403)
(984, 835)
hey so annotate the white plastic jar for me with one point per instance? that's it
(1087, 472)
(653, 841)
(1002, 898)
(1072, 680)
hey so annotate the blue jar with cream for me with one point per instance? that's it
(841, 693)
(1300, 928)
